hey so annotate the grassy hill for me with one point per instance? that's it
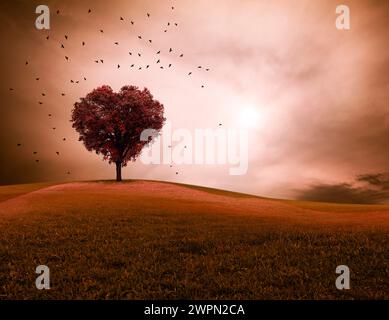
(155, 240)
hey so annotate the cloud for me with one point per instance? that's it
(374, 190)
(321, 94)
(380, 180)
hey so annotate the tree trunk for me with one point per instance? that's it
(118, 171)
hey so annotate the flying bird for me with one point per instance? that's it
(118, 66)
(57, 153)
(64, 139)
(151, 41)
(132, 22)
(101, 30)
(117, 43)
(57, 11)
(132, 65)
(158, 61)
(66, 37)
(62, 94)
(83, 43)
(89, 11)
(148, 15)
(19, 144)
(67, 58)
(121, 18)
(159, 52)
(170, 50)
(139, 37)
(37, 79)
(189, 73)
(26, 63)
(181, 55)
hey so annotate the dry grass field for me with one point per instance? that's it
(157, 240)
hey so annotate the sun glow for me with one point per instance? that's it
(248, 118)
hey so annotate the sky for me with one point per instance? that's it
(319, 95)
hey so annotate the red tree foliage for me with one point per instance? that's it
(111, 123)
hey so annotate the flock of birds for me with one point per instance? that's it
(118, 66)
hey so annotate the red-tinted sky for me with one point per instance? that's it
(321, 94)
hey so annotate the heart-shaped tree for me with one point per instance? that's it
(110, 123)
